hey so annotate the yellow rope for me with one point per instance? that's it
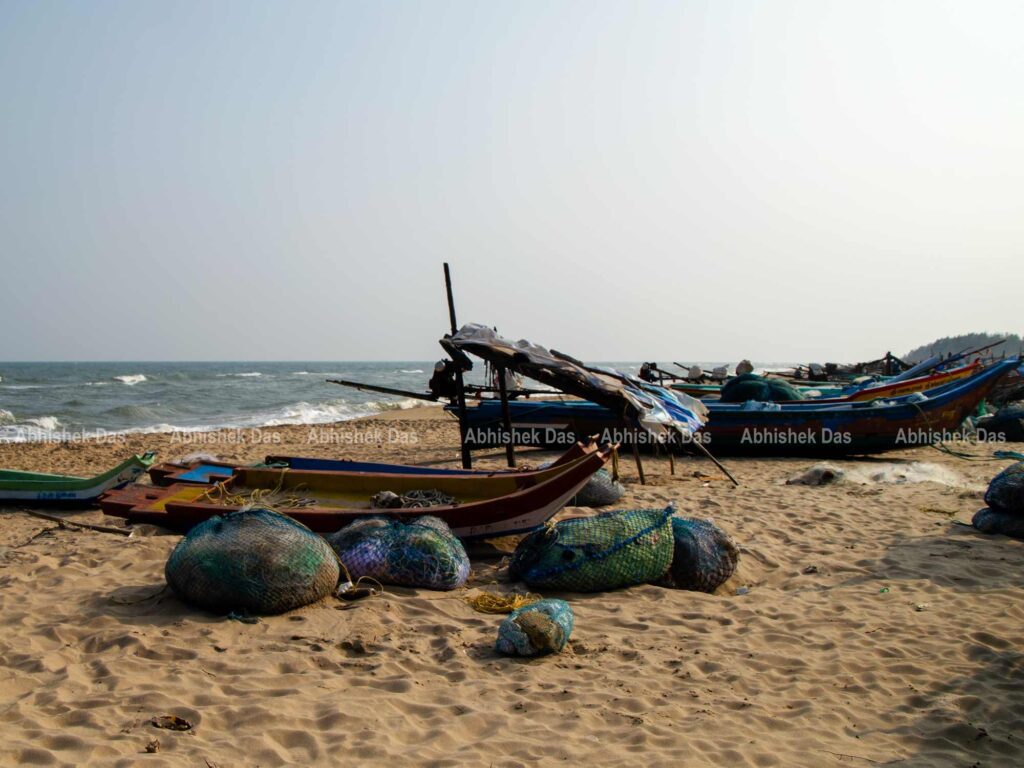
(218, 493)
(489, 602)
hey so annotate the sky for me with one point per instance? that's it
(786, 181)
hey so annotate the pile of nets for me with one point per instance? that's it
(410, 500)
(600, 491)
(750, 386)
(252, 561)
(536, 629)
(1005, 499)
(594, 554)
(1007, 424)
(421, 553)
(704, 558)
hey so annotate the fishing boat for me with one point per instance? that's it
(209, 472)
(803, 428)
(483, 506)
(872, 390)
(42, 489)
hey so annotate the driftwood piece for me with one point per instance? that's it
(89, 526)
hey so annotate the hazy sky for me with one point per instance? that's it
(619, 180)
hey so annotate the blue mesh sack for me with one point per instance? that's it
(536, 629)
(1006, 491)
(594, 554)
(994, 521)
(704, 556)
(422, 553)
(255, 561)
(600, 491)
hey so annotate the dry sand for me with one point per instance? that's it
(875, 631)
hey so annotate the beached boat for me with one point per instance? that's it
(41, 489)
(789, 429)
(209, 472)
(484, 506)
(871, 391)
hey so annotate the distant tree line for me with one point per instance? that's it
(951, 345)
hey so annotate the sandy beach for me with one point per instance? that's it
(870, 628)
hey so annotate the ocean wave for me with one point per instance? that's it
(131, 379)
(399, 405)
(6, 417)
(48, 423)
(417, 370)
(239, 375)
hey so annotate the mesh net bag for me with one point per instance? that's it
(600, 491)
(594, 554)
(750, 386)
(422, 553)
(255, 561)
(704, 557)
(536, 629)
(1006, 491)
(994, 521)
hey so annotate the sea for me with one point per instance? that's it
(59, 401)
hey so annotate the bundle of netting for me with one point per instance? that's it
(994, 521)
(704, 556)
(750, 386)
(594, 554)
(252, 561)
(1006, 491)
(421, 553)
(600, 491)
(536, 629)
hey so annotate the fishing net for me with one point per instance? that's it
(704, 557)
(410, 500)
(600, 491)
(994, 521)
(750, 386)
(255, 561)
(1006, 491)
(537, 629)
(422, 553)
(593, 554)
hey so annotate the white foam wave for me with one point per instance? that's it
(417, 370)
(131, 379)
(239, 375)
(399, 405)
(49, 423)
(6, 417)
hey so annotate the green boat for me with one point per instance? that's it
(41, 489)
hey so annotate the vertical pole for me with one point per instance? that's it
(506, 415)
(639, 465)
(460, 385)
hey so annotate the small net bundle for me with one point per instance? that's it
(1006, 491)
(253, 561)
(994, 521)
(750, 386)
(536, 629)
(600, 491)
(704, 557)
(594, 554)
(422, 553)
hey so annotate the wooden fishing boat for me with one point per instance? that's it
(871, 391)
(41, 489)
(485, 506)
(789, 429)
(209, 472)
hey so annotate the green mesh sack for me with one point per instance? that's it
(422, 553)
(750, 386)
(600, 491)
(594, 554)
(253, 561)
(704, 557)
(536, 629)
(994, 521)
(1006, 491)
